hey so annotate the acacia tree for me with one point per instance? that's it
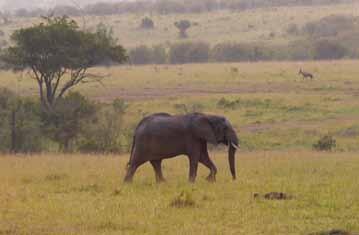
(147, 23)
(58, 55)
(182, 26)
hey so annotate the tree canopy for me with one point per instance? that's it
(182, 26)
(58, 55)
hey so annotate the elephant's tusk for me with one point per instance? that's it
(234, 146)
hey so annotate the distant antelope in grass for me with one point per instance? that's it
(305, 74)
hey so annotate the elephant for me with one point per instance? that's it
(161, 135)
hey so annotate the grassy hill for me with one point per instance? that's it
(266, 25)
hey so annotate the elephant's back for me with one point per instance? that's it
(161, 126)
(161, 136)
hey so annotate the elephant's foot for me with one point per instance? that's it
(127, 181)
(192, 180)
(160, 180)
(211, 178)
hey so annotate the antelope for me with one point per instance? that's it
(305, 74)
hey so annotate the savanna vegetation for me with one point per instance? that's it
(273, 107)
(297, 136)
(81, 194)
(164, 7)
(264, 31)
(68, 112)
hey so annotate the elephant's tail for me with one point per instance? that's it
(132, 149)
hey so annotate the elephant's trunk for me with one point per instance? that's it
(232, 147)
(231, 159)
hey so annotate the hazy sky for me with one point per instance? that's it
(13, 4)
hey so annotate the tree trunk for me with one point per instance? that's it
(13, 148)
(66, 145)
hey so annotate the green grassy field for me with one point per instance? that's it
(81, 194)
(278, 117)
(269, 104)
(272, 109)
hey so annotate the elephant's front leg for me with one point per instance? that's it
(205, 160)
(193, 165)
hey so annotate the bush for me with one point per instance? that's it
(146, 55)
(141, 55)
(68, 119)
(223, 103)
(20, 124)
(106, 131)
(75, 124)
(300, 50)
(189, 52)
(328, 49)
(326, 143)
(159, 54)
(233, 52)
(147, 23)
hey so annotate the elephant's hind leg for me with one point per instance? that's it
(158, 170)
(131, 170)
(194, 157)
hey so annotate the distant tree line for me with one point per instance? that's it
(332, 37)
(170, 6)
(202, 52)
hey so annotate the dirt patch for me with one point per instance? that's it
(182, 91)
(273, 196)
(333, 232)
(308, 126)
(257, 128)
(206, 88)
(56, 177)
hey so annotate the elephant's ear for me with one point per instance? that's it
(202, 128)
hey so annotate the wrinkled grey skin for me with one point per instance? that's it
(161, 135)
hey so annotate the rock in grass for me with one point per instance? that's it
(334, 232)
(273, 196)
